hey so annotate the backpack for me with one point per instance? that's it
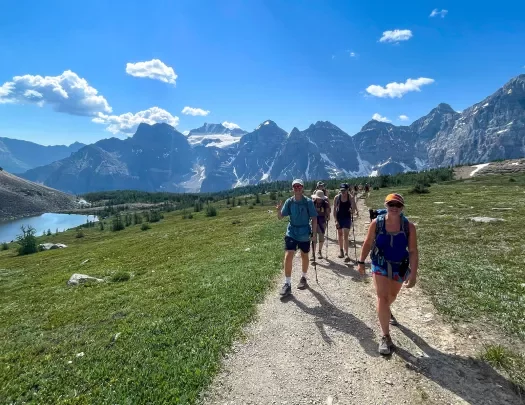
(376, 253)
(338, 199)
(292, 201)
(324, 206)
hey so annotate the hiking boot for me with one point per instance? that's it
(347, 259)
(393, 320)
(386, 345)
(341, 254)
(312, 259)
(286, 290)
(302, 283)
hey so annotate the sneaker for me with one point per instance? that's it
(393, 320)
(319, 255)
(286, 290)
(302, 283)
(347, 259)
(312, 259)
(341, 254)
(386, 345)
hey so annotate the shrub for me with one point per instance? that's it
(211, 211)
(420, 188)
(117, 224)
(145, 226)
(5, 246)
(27, 241)
(120, 276)
(79, 234)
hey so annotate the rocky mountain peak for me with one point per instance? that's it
(374, 125)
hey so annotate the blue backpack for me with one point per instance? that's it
(377, 254)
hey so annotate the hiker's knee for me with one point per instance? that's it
(383, 300)
(288, 255)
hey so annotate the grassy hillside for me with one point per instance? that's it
(155, 338)
(473, 271)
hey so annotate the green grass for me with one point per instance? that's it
(472, 271)
(184, 290)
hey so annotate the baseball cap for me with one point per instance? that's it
(297, 181)
(344, 186)
(320, 184)
(394, 197)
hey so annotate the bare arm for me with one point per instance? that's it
(367, 245)
(314, 226)
(279, 208)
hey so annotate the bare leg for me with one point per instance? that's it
(304, 261)
(345, 239)
(386, 291)
(288, 260)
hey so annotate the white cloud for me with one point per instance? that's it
(154, 69)
(67, 93)
(353, 54)
(403, 118)
(396, 36)
(128, 123)
(230, 125)
(194, 111)
(441, 13)
(380, 118)
(186, 132)
(394, 89)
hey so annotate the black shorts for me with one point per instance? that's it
(292, 244)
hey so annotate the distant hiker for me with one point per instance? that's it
(344, 209)
(300, 209)
(322, 207)
(321, 186)
(367, 189)
(356, 188)
(392, 241)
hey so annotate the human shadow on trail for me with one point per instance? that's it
(343, 269)
(329, 315)
(465, 376)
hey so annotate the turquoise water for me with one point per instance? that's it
(9, 230)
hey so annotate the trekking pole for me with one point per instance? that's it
(315, 264)
(327, 223)
(353, 232)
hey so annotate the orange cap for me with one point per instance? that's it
(394, 197)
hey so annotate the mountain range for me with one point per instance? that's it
(17, 156)
(212, 158)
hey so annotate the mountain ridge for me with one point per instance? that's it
(492, 128)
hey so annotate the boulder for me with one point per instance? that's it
(50, 246)
(77, 279)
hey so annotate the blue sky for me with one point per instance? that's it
(295, 62)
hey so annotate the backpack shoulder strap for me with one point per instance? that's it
(380, 224)
(405, 225)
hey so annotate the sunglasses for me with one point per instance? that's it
(395, 205)
(297, 186)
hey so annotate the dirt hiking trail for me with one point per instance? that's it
(319, 346)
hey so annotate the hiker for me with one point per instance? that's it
(322, 207)
(367, 189)
(300, 209)
(344, 209)
(321, 186)
(392, 241)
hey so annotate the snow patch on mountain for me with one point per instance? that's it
(217, 140)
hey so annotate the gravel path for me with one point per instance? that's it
(319, 346)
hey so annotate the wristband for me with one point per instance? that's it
(360, 262)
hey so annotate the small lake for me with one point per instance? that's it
(10, 229)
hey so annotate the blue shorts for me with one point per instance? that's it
(395, 274)
(344, 223)
(292, 244)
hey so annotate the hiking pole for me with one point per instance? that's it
(315, 264)
(353, 232)
(327, 223)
